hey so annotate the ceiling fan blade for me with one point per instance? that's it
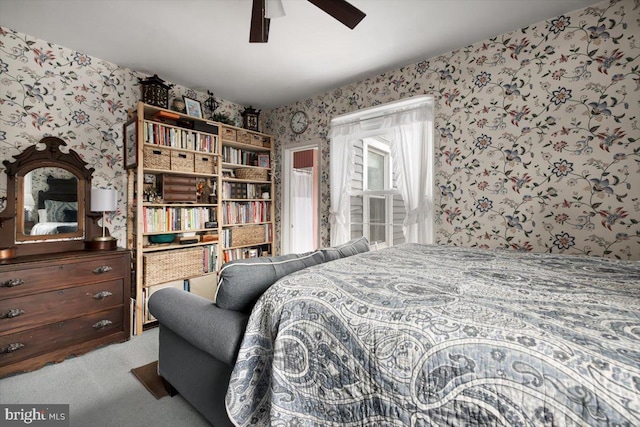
(343, 11)
(259, 32)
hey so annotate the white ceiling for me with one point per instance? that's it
(204, 44)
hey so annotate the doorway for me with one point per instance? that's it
(300, 204)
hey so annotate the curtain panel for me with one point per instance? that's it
(302, 217)
(411, 131)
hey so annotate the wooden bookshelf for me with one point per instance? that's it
(185, 151)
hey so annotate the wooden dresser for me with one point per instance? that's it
(57, 305)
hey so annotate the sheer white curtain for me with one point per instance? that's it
(343, 137)
(409, 123)
(302, 216)
(412, 154)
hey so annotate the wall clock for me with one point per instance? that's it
(299, 122)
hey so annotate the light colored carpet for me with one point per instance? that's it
(101, 390)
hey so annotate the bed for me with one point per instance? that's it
(428, 335)
(57, 207)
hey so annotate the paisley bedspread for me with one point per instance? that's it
(421, 335)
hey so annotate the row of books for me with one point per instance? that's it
(242, 253)
(237, 156)
(167, 136)
(210, 258)
(246, 212)
(241, 190)
(176, 219)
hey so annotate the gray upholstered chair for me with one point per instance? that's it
(200, 339)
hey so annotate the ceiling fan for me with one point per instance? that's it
(341, 10)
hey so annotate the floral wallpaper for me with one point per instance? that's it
(537, 130)
(538, 140)
(47, 89)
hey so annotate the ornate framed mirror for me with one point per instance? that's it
(48, 193)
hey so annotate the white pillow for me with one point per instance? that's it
(42, 215)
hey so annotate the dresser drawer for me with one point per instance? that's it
(53, 306)
(29, 280)
(33, 342)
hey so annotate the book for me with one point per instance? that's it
(210, 238)
(189, 240)
(165, 115)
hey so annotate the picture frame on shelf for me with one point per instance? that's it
(193, 107)
(263, 161)
(130, 132)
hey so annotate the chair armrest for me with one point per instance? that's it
(212, 329)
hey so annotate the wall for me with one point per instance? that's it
(537, 134)
(47, 89)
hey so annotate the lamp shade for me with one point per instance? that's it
(103, 199)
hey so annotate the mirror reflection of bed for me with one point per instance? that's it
(50, 202)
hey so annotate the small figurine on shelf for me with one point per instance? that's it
(211, 104)
(203, 190)
(152, 195)
(179, 106)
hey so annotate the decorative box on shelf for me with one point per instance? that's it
(205, 127)
(176, 188)
(155, 91)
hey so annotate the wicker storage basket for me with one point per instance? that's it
(156, 158)
(252, 174)
(229, 134)
(165, 266)
(204, 164)
(181, 161)
(244, 137)
(247, 235)
(256, 139)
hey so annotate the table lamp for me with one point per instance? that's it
(103, 200)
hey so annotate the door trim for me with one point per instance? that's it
(287, 167)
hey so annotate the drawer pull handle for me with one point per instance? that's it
(102, 324)
(11, 348)
(14, 312)
(102, 269)
(102, 295)
(11, 283)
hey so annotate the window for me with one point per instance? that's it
(373, 199)
(381, 172)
